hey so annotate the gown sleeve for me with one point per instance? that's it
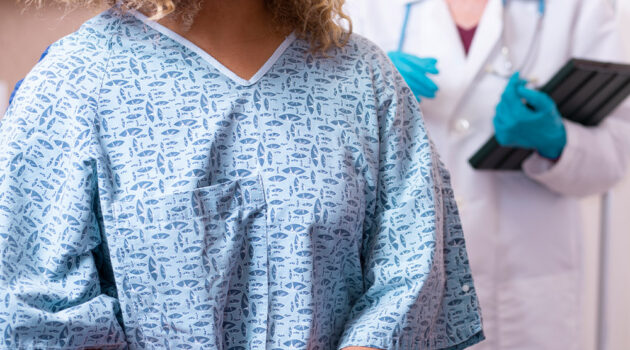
(51, 291)
(418, 288)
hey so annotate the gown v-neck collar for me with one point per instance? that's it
(213, 61)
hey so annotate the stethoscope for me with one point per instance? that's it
(507, 68)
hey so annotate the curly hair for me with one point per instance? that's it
(320, 22)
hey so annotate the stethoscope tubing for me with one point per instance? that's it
(505, 51)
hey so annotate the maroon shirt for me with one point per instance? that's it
(467, 36)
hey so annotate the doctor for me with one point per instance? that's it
(523, 228)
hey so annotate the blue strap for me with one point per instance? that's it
(542, 6)
(403, 32)
(44, 54)
(19, 83)
(15, 89)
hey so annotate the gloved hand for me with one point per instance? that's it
(414, 70)
(529, 119)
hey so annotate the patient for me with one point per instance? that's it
(240, 174)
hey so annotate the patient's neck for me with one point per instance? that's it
(240, 34)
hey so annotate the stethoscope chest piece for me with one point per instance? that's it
(508, 65)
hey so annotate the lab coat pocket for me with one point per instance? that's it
(182, 254)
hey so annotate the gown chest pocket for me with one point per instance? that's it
(182, 253)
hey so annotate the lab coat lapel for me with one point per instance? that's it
(487, 37)
(437, 36)
(521, 36)
(484, 45)
(433, 33)
(484, 51)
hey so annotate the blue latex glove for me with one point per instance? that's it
(529, 119)
(414, 70)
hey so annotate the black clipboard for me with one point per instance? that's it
(586, 92)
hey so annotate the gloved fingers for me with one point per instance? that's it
(399, 62)
(423, 86)
(518, 119)
(414, 63)
(422, 91)
(420, 62)
(432, 66)
(512, 109)
(414, 70)
(512, 136)
(504, 117)
(395, 56)
(400, 57)
(539, 100)
(403, 66)
(427, 65)
(516, 81)
(503, 133)
(510, 94)
(504, 126)
(514, 78)
(415, 85)
(432, 69)
(425, 61)
(419, 83)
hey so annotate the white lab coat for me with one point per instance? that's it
(623, 17)
(523, 229)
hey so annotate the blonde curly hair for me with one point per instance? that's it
(318, 21)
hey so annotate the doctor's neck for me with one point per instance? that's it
(466, 13)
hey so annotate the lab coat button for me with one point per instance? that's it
(461, 125)
(465, 288)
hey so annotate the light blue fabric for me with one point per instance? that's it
(149, 201)
(529, 119)
(17, 85)
(414, 70)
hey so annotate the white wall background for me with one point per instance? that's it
(623, 10)
(619, 306)
(617, 297)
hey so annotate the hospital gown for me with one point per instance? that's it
(151, 199)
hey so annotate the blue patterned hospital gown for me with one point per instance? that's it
(151, 199)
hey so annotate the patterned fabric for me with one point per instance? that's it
(150, 200)
(17, 85)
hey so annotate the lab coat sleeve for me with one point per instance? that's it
(595, 158)
(418, 289)
(50, 286)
